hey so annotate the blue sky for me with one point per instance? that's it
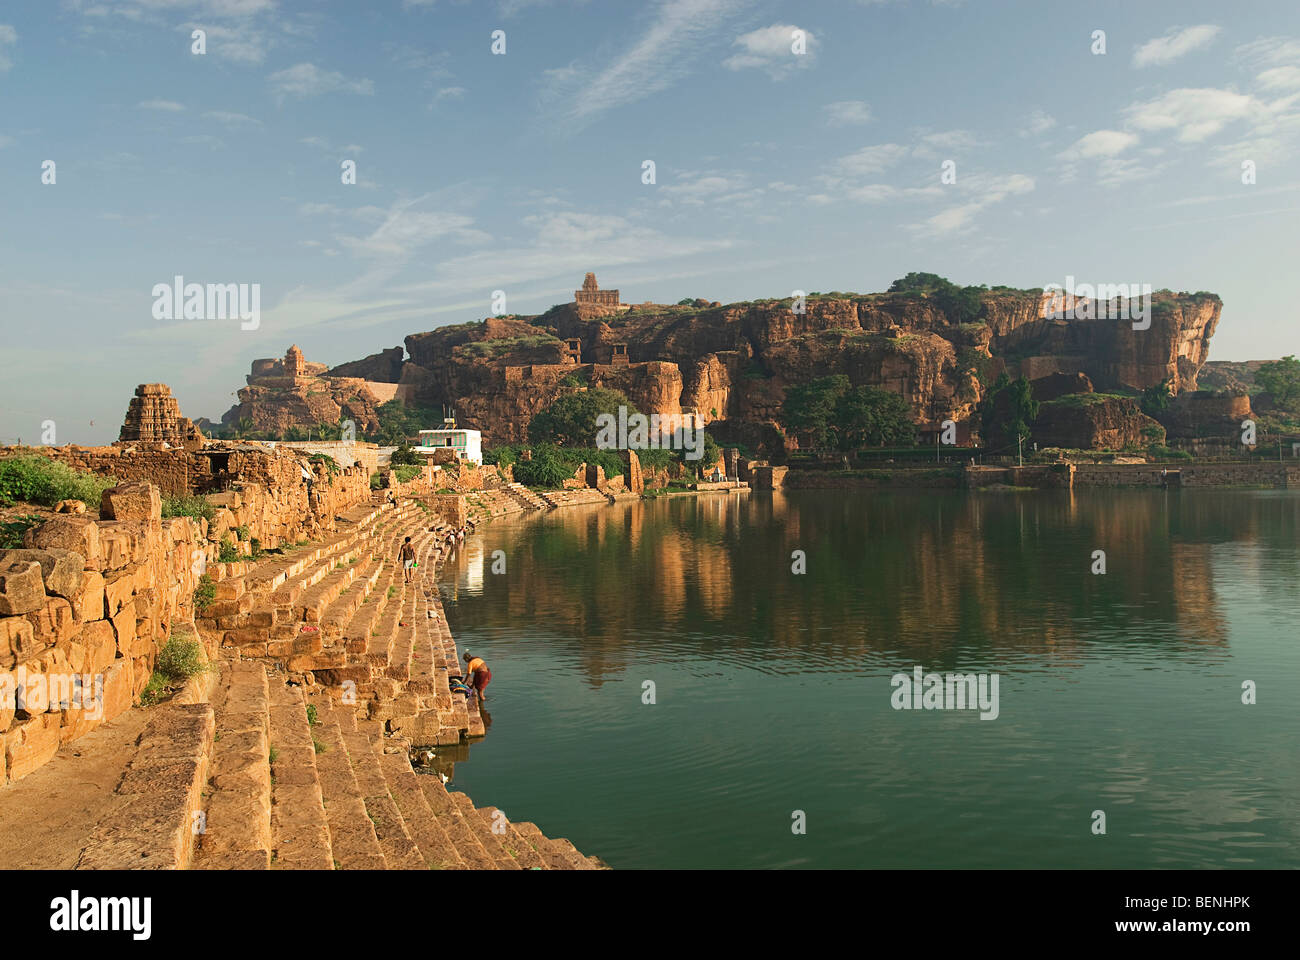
(519, 172)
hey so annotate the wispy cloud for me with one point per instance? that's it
(778, 49)
(847, 113)
(167, 106)
(1175, 44)
(665, 52)
(8, 38)
(308, 80)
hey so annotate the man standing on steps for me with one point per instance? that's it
(477, 673)
(407, 556)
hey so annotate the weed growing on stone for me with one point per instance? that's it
(178, 660)
(229, 552)
(204, 594)
(312, 718)
(12, 530)
(197, 508)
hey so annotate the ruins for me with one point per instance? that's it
(154, 417)
(592, 295)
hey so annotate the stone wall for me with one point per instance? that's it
(1269, 474)
(84, 609)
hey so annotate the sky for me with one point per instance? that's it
(796, 146)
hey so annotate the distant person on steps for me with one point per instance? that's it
(407, 556)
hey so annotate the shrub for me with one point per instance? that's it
(177, 661)
(229, 552)
(196, 507)
(406, 472)
(12, 530)
(32, 478)
(204, 594)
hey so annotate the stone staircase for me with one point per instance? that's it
(581, 496)
(526, 497)
(299, 781)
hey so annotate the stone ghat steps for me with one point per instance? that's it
(569, 498)
(494, 503)
(525, 496)
(286, 793)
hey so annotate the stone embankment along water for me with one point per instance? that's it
(244, 779)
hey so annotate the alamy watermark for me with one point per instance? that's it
(38, 692)
(1104, 301)
(946, 691)
(667, 431)
(212, 301)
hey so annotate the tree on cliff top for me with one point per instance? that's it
(570, 420)
(959, 304)
(1281, 379)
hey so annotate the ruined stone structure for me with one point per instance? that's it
(592, 295)
(154, 417)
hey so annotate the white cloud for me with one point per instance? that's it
(986, 191)
(772, 48)
(1037, 123)
(1177, 43)
(450, 93)
(8, 38)
(1280, 78)
(871, 160)
(1195, 113)
(309, 80)
(847, 113)
(168, 106)
(662, 55)
(231, 119)
(1100, 143)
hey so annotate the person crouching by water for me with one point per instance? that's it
(478, 674)
(407, 556)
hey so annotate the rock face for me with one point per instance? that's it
(1095, 422)
(1200, 413)
(288, 393)
(730, 365)
(154, 417)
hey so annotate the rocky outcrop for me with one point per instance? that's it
(1093, 421)
(1201, 413)
(730, 365)
(382, 367)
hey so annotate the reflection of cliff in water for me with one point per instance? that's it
(948, 580)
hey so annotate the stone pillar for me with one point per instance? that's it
(632, 470)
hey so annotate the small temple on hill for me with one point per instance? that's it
(592, 295)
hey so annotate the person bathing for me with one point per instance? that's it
(478, 674)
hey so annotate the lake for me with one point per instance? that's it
(774, 704)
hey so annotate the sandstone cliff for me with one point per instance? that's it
(730, 365)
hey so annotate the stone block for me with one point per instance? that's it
(131, 501)
(53, 622)
(76, 533)
(88, 601)
(60, 569)
(124, 629)
(101, 646)
(31, 744)
(17, 638)
(118, 593)
(118, 689)
(22, 588)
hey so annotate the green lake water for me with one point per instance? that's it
(1119, 692)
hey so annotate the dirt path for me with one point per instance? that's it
(46, 817)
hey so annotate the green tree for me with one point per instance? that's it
(868, 416)
(405, 454)
(809, 409)
(570, 420)
(959, 304)
(1156, 398)
(546, 469)
(1281, 379)
(1007, 413)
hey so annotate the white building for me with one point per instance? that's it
(468, 444)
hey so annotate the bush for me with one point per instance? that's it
(12, 530)
(204, 594)
(545, 469)
(406, 473)
(177, 661)
(376, 480)
(31, 478)
(229, 552)
(196, 507)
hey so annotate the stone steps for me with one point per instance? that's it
(352, 833)
(163, 783)
(236, 827)
(299, 828)
(526, 496)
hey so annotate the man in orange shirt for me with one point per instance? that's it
(477, 673)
